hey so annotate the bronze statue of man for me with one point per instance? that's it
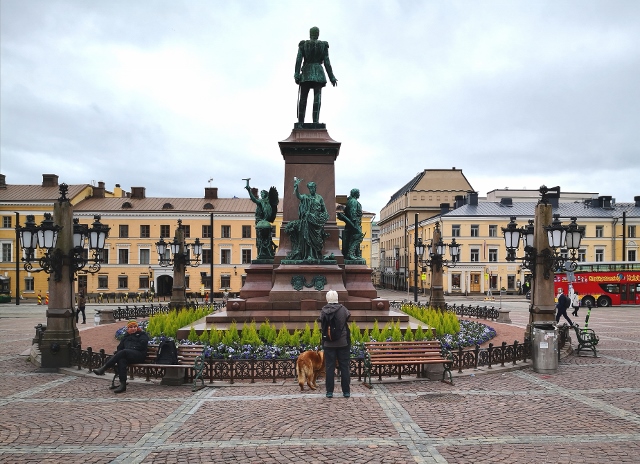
(266, 210)
(352, 235)
(307, 232)
(310, 75)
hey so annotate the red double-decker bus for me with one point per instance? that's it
(603, 283)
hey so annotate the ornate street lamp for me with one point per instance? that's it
(45, 237)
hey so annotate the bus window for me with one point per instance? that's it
(610, 288)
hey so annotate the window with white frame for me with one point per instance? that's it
(28, 284)
(7, 252)
(631, 231)
(123, 256)
(493, 230)
(599, 254)
(246, 256)
(145, 254)
(455, 230)
(475, 255)
(475, 230)
(599, 231)
(6, 222)
(582, 255)
(225, 256)
(493, 255)
(123, 281)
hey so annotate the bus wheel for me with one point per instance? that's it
(588, 301)
(604, 301)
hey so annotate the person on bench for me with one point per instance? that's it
(131, 350)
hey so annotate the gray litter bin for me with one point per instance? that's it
(545, 348)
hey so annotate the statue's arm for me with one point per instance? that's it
(296, 76)
(251, 195)
(327, 66)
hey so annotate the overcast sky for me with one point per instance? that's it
(170, 94)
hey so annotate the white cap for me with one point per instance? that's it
(332, 296)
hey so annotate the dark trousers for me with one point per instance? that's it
(343, 355)
(563, 312)
(575, 310)
(122, 359)
(84, 316)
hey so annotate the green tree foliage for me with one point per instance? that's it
(283, 337)
(214, 336)
(375, 331)
(316, 334)
(306, 335)
(193, 336)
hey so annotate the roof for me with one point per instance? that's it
(527, 208)
(406, 188)
(36, 192)
(155, 204)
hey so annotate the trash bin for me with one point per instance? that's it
(545, 348)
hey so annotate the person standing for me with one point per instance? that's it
(563, 304)
(575, 304)
(131, 350)
(340, 348)
(82, 301)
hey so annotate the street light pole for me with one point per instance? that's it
(415, 260)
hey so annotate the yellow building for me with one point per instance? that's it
(225, 227)
(610, 235)
(422, 195)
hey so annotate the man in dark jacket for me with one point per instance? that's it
(131, 350)
(563, 304)
(340, 348)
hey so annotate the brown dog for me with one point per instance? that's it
(310, 365)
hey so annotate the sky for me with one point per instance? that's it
(176, 96)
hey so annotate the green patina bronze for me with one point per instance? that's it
(299, 282)
(307, 232)
(266, 210)
(352, 235)
(309, 74)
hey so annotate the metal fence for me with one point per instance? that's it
(135, 311)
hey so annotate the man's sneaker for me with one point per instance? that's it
(346, 395)
(329, 395)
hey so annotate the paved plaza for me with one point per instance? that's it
(588, 412)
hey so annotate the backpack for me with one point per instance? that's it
(167, 353)
(330, 331)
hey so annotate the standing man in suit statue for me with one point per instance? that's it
(310, 75)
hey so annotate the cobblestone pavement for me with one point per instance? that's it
(588, 412)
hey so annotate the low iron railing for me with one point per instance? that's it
(477, 311)
(282, 369)
(135, 311)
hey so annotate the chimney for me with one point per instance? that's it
(459, 201)
(604, 202)
(3, 181)
(444, 208)
(506, 201)
(138, 193)
(473, 198)
(98, 192)
(49, 180)
(637, 200)
(211, 193)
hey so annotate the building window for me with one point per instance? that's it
(631, 255)
(475, 230)
(123, 281)
(246, 231)
(6, 253)
(599, 254)
(206, 231)
(165, 231)
(582, 255)
(143, 282)
(599, 231)
(144, 256)
(187, 231)
(493, 230)
(225, 282)
(225, 231)
(511, 282)
(82, 282)
(123, 256)
(28, 284)
(455, 230)
(104, 256)
(246, 256)
(225, 256)
(475, 255)
(6, 222)
(103, 281)
(145, 231)
(186, 282)
(493, 255)
(206, 256)
(631, 231)
(123, 230)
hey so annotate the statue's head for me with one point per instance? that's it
(314, 33)
(264, 193)
(312, 187)
(355, 193)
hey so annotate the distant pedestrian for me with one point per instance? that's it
(338, 348)
(563, 304)
(82, 301)
(575, 304)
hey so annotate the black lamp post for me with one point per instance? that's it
(181, 258)
(62, 240)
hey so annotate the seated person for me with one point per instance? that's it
(131, 350)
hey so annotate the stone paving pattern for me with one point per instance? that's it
(588, 412)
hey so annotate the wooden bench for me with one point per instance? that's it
(189, 357)
(587, 339)
(418, 354)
